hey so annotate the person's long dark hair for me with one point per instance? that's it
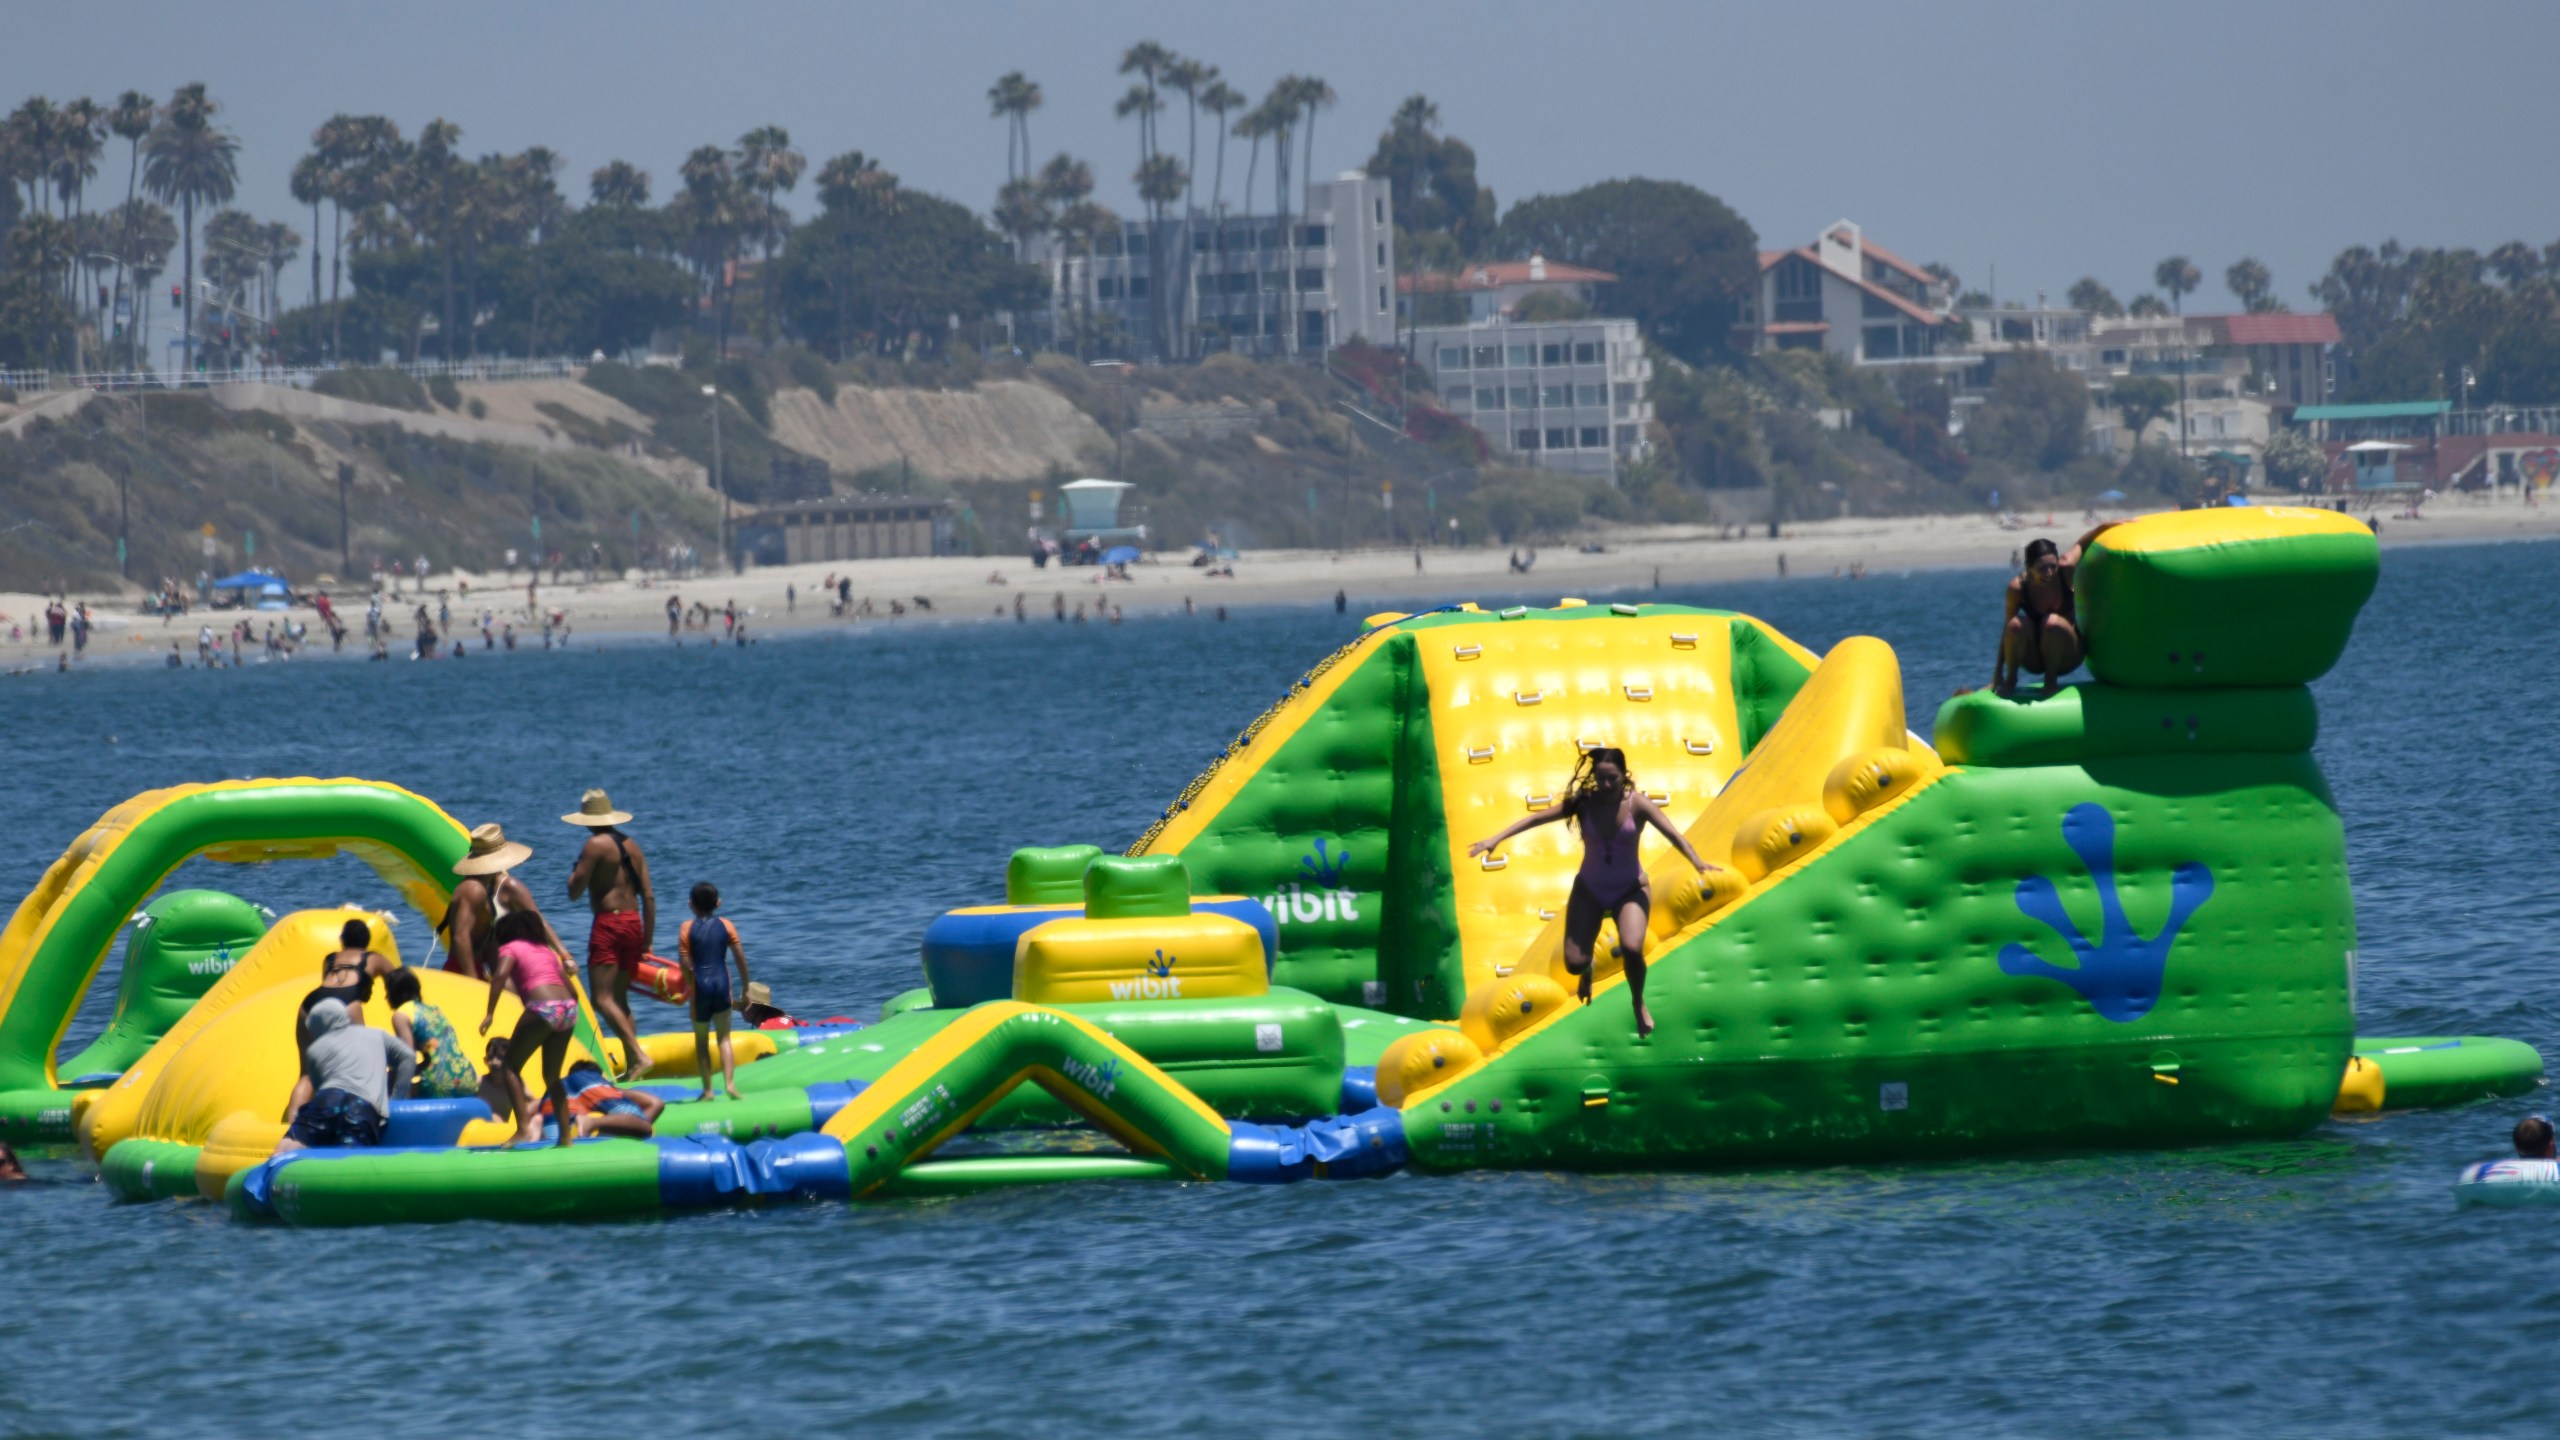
(1586, 783)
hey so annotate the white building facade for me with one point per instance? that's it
(1182, 288)
(1565, 395)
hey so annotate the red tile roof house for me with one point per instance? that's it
(1495, 289)
(1849, 296)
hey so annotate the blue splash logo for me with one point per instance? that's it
(1318, 894)
(1101, 1080)
(1324, 868)
(2120, 974)
(1161, 965)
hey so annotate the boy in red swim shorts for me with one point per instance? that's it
(612, 876)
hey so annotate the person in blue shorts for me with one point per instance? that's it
(705, 945)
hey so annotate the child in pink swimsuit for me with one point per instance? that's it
(532, 963)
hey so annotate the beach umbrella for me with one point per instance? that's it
(249, 580)
(2110, 494)
(1119, 554)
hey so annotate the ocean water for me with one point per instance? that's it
(844, 789)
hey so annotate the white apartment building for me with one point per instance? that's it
(1845, 295)
(1565, 395)
(1253, 284)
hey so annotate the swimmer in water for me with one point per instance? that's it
(2533, 1139)
(1611, 814)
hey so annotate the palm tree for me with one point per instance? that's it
(77, 144)
(1160, 182)
(619, 185)
(1064, 184)
(310, 186)
(361, 158)
(282, 244)
(129, 119)
(536, 209)
(1280, 114)
(853, 188)
(1255, 125)
(431, 188)
(2250, 284)
(2179, 277)
(1147, 60)
(147, 235)
(769, 167)
(1012, 99)
(711, 210)
(29, 142)
(1082, 225)
(1220, 99)
(189, 161)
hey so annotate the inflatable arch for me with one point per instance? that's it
(54, 944)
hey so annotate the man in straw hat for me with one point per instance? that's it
(487, 891)
(613, 876)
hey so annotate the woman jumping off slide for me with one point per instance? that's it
(1611, 814)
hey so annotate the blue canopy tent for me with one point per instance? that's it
(272, 592)
(1119, 554)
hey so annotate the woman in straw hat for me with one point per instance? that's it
(487, 891)
(613, 877)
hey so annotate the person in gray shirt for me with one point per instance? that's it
(349, 1074)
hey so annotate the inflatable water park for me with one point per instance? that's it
(2114, 916)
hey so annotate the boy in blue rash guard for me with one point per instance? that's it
(704, 945)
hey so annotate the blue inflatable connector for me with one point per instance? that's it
(699, 1172)
(829, 1096)
(1359, 1089)
(1346, 1147)
(421, 1124)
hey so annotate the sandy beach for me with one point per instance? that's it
(962, 588)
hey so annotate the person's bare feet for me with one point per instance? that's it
(734, 1095)
(1644, 1022)
(1584, 989)
(638, 1070)
(705, 1096)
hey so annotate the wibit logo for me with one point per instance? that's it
(1158, 983)
(1100, 1079)
(2119, 975)
(217, 963)
(1318, 893)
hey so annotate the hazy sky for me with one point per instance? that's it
(2049, 139)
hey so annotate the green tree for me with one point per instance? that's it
(2090, 294)
(2141, 399)
(908, 267)
(34, 318)
(2516, 263)
(2295, 461)
(1684, 260)
(2037, 414)
(190, 161)
(1436, 190)
(2147, 307)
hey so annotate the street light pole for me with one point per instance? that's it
(717, 481)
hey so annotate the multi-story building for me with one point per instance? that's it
(1848, 296)
(1180, 288)
(1564, 395)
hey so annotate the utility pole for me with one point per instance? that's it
(717, 481)
(346, 554)
(124, 515)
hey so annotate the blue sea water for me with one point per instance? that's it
(844, 789)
